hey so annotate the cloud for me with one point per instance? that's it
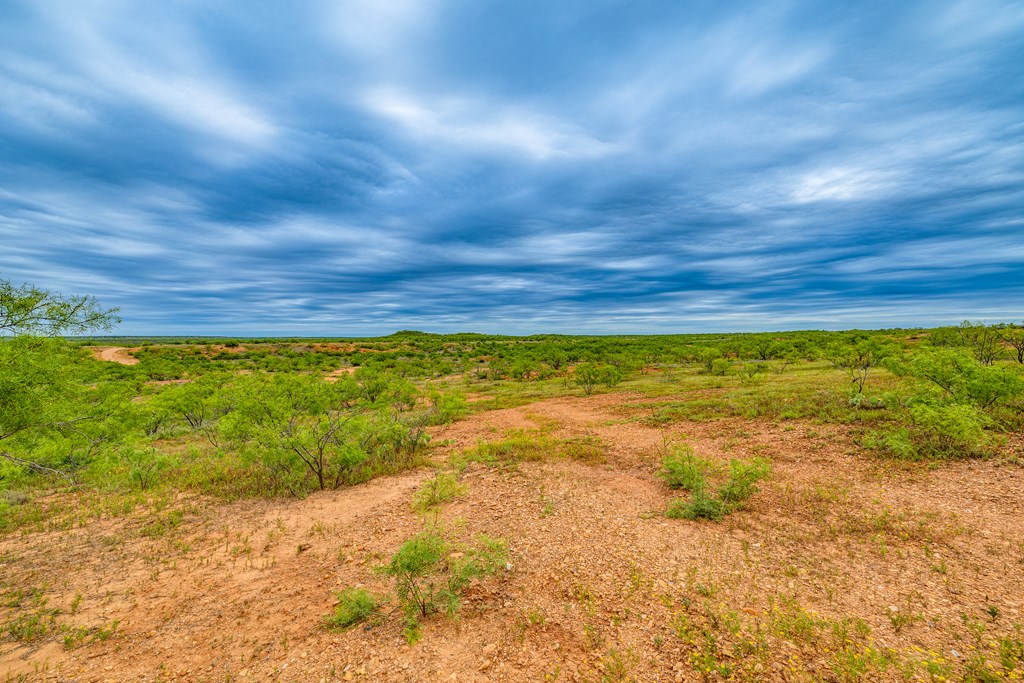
(481, 127)
(359, 167)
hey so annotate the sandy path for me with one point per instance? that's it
(115, 354)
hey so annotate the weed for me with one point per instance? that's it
(163, 525)
(547, 504)
(35, 621)
(615, 667)
(681, 468)
(536, 446)
(354, 606)
(901, 619)
(443, 488)
(854, 662)
(707, 658)
(430, 575)
(705, 590)
(593, 638)
(687, 471)
(742, 482)
(1011, 653)
(75, 636)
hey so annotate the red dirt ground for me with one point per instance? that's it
(598, 575)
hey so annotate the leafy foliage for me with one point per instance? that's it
(27, 309)
(685, 470)
(442, 488)
(682, 469)
(355, 605)
(858, 357)
(430, 574)
(587, 376)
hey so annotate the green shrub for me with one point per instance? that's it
(896, 443)
(682, 469)
(442, 488)
(430, 575)
(685, 470)
(355, 605)
(586, 376)
(742, 482)
(938, 431)
(707, 357)
(720, 366)
(963, 379)
(446, 407)
(699, 506)
(950, 430)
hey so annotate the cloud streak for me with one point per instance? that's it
(359, 167)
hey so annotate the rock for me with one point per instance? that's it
(489, 649)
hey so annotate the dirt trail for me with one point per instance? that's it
(115, 354)
(599, 575)
(335, 375)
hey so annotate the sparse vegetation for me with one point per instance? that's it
(431, 574)
(354, 606)
(682, 469)
(442, 488)
(115, 475)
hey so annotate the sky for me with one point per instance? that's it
(355, 167)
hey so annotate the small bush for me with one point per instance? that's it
(682, 469)
(588, 375)
(446, 407)
(950, 430)
(430, 575)
(355, 605)
(938, 431)
(720, 366)
(442, 488)
(699, 506)
(896, 443)
(742, 482)
(685, 470)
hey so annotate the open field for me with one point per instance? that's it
(848, 560)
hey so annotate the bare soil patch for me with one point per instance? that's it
(334, 375)
(115, 354)
(599, 577)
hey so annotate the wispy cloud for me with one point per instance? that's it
(357, 167)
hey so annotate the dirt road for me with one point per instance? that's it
(115, 354)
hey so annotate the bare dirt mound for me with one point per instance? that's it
(335, 375)
(115, 354)
(838, 562)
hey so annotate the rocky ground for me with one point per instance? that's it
(841, 567)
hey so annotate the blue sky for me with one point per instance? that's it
(361, 166)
